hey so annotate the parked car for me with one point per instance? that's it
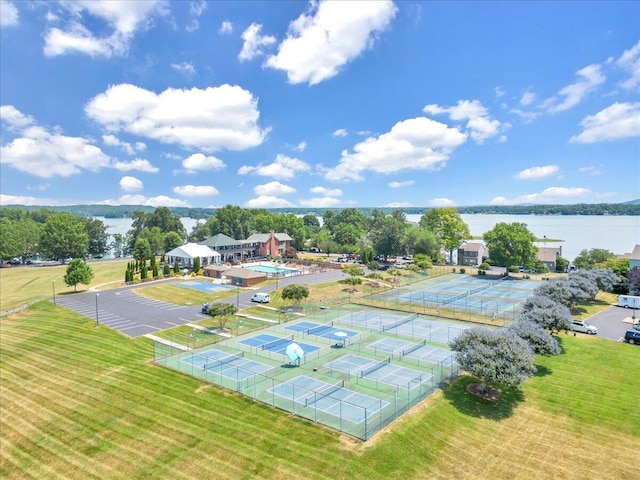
(261, 297)
(584, 327)
(636, 326)
(632, 336)
(398, 265)
(205, 308)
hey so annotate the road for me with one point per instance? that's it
(134, 315)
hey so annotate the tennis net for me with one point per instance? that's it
(276, 343)
(319, 328)
(319, 395)
(399, 322)
(213, 363)
(453, 299)
(374, 367)
(413, 348)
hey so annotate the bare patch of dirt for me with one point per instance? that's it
(485, 392)
(202, 388)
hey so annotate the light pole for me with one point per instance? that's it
(97, 319)
(237, 295)
(54, 293)
(633, 313)
(277, 275)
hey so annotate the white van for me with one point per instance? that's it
(261, 298)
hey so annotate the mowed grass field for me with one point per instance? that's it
(20, 285)
(80, 401)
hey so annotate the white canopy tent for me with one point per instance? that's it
(185, 254)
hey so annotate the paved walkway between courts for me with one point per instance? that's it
(166, 342)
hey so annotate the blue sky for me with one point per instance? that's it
(319, 104)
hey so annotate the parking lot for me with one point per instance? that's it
(613, 322)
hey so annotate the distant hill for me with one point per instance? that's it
(125, 211)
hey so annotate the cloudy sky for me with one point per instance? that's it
(319, 104)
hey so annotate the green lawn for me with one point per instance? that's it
(20, 285)
(80, 401)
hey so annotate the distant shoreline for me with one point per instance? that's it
(126, 211)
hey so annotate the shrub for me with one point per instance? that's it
(463, 270)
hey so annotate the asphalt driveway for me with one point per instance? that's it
(613, 322)
(134, 315)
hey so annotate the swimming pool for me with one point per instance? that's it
(269, 269)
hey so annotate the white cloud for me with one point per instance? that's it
(406, 183)
(131, 184)
(253, 42)
(196, 190)
(630, 62)
(137, 164)
(196, 9)
(45, 154)
(341, 132)
(617, 121)
(8, 14)
(226, 28)
(500, 92)
(591, 171)
(328, 192)
(399, 205)
(479, 123)
(136, 199)
(536, 173)
(198, 162)
(441, 202)
(528, 117)
(330, 35)
(272, 189)
(123, 19)
(414, 144)
(322, 202)
(527, 98)
(552, 195)
(301, 147)
(590, 78)
(268, 202)
(215, 118)
(13, 118)
(113, 141)
(185, 68)
(284, 168)
(26, 200)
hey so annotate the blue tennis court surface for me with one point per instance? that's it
(379, 371)
(233, 366)
(326, 330)
(204, 286)
(276, 344)
(331, 399)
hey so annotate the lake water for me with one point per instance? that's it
(618, 234)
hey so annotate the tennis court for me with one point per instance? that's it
(234, 366)
(205, 286)
(477, 295)
(327, 330)
(374, 319)
(276, 344)
(380, 371)
(331, 399)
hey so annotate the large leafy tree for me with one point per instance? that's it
(63, 236)
(98, 236)
(154, 237)
(78, 271)
(448, 226)
(142, 250)
(18, 238)
(386, 236)
(294, 292)
(222, 311)
(564, 291)
(511, 244)
(495, 357)
(591, 258)
(540, 341)
(171, 241)
(420, 241)
(546, 312)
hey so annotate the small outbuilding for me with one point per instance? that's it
(242, 277)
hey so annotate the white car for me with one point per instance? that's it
(398, 265)
(261, 297)
(584, 327)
